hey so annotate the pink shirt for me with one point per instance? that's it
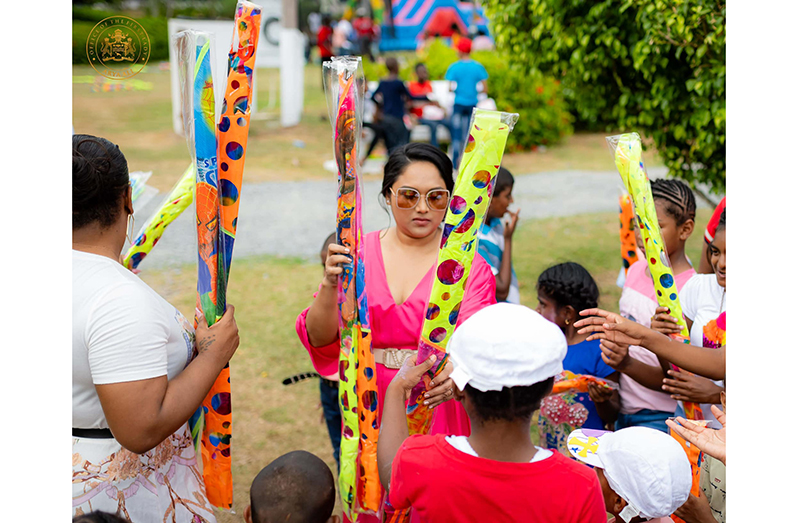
(639, 303)
(399, 326)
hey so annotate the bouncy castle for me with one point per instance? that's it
(411, 21)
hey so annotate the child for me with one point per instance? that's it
(296, 487)
(642, 401)
(465, 74)
(495, 238)
(505, 358)
(644, 474)
(563, 291)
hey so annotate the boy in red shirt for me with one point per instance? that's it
(504, 360)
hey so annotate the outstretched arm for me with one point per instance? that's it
(609, 326)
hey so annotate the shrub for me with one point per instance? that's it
(653, 66)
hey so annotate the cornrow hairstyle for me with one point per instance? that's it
(510, 403)
(504, 179)
(569, 284)
(99, 181)
(678, 198)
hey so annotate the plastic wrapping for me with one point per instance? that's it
(359, 482)
(178, 199)
(568, 381)
(467, 210)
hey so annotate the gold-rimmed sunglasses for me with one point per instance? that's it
(408, 198)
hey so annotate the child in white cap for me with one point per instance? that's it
(505, 358)
(644, 473)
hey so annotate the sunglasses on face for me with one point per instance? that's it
(408, 198)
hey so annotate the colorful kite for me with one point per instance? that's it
(467, 209)
(179, 198)
(358, 479)
(628, 150)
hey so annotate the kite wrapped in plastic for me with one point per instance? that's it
(359, 483)
(468, 207)
(628, 243)
(178, 199)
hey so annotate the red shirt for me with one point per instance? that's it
(363, 26)
(442, 483)
(712, 226)
(324, 41)
(419, 89)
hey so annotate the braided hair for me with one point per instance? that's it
(678, 199)
(99, 181)
(510, 403)
(569, 284)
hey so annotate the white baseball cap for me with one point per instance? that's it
(505, 345)
(646, 467)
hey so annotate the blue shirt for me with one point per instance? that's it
(585, 358)
(394, 93)
(467, 73)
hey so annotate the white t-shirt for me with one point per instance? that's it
(702, 300)
(122, 330)
(461, 443)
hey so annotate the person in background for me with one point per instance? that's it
(644, 474)
(505, 358)
(393, 95)
(296, 487)
(363, 26)
(465, 75)
(496, 238)
(423, 87)
(324, 41)
(482, 42)
(342, 32)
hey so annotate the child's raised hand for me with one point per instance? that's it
(614, 354)
(605, 325)
(711, 441)
(410, 374)
(509, 226)
(598, 393)
(662, 322)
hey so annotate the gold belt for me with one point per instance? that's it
(392, 358)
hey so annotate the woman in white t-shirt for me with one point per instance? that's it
(136, 376)
(703, 301)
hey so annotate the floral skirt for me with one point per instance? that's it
(162, 486)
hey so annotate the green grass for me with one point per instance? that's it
(140, 122)
(271, 419)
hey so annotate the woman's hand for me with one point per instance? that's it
(598, 393)
(688, 387)
(696, 509)
(613, 354)
(410, 374)
(443, 387)
(605, 325)
(662, 322)
(220, 340)
(336, 255)
(711, 441)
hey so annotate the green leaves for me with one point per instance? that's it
(654, 66)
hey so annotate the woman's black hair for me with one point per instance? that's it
(403, 156)
(99, 181)
(721, 222)
(99, 517)
(569, 284)
(503, 180)
(510, 403)
(678, 197)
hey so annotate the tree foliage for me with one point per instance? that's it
(653, 66)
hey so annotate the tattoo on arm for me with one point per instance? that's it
(205, 343)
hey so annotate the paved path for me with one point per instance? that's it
(294, 218)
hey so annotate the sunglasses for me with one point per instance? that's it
(408, 198)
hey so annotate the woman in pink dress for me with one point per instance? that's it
(417, 184)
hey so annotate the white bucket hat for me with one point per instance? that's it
(505, 345)
(646, 467)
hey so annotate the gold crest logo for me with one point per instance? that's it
(118, 47)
